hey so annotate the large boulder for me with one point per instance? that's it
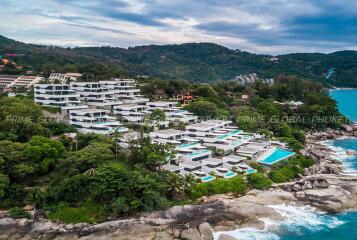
(191, 234)
(226, 237)
(206, 231)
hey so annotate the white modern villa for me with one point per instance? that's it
(60, 95)
(95, 121)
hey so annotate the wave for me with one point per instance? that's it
(339, 153)
(297, 220)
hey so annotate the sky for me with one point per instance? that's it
(259, 26)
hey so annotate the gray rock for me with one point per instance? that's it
(191, 234)
(69, 226)
(163, 236)
(86, 231)
(206, 231)
(7, 222)
(226, 237)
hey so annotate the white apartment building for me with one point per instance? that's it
(124, 89)
(59, 95)
(132, 113)
(93, 93)
(26, 81)
(172, 112)
(171, 136)
(64, 78)
(253, 150)
(192, 152)
(95, 121)
(207, 128)
(7, 80)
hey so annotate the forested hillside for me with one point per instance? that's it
(197, 62)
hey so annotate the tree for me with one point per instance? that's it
(4, 184)
(204, 109)
(259, 181)
(152, 155)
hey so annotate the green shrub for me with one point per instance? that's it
(89, 212)
(18, 213)
(259, 181)
(219, 186)
(284, 174)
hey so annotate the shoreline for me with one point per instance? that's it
(324, 186)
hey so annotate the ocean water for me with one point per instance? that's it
(346, 101)
(304, 222)
(301, 222)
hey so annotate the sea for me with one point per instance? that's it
(305, 222)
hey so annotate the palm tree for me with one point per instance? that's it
(90, 172)
(116, 136)
(175, 186)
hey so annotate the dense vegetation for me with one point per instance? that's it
(88, 178)
(197, 62)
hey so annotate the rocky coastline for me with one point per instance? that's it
(323, 186)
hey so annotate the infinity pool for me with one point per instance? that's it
(276, 156)
(207, 178)
(230, 174)
(250, 171)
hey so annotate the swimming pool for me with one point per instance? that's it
(230, 174)
(276, 156)
(250, 171)
(198, 152)
(207, 178)
(224, 136)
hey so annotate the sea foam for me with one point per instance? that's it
(340, 154)
(297, 219)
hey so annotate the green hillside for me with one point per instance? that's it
(203, 62)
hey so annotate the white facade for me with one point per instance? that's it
(95, 121)
(17, 81)
(133, 113)
(206, 128)
(59, 95)
(7, 80)
(172, 112)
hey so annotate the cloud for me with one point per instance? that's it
(262, 26)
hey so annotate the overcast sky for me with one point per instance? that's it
(260, 26)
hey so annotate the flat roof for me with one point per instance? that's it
(191, 163)
(170, 167)
(169, 132)
(234, 157)
(250, 150)
(89, 110)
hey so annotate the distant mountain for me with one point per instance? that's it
(190, 61)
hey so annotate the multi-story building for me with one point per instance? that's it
(60, 95)
(64, 78)
(132, 113)
(172, 112)
(25, 81)
(7, 80)
(207, 128)
(171, 136)
(95, 121)
(124, 89)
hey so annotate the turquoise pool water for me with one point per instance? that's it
(250, 171)
(186, 145)
(276, 156)
(207, 178)
(230, 174)
(197, 153)
(229, 134)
